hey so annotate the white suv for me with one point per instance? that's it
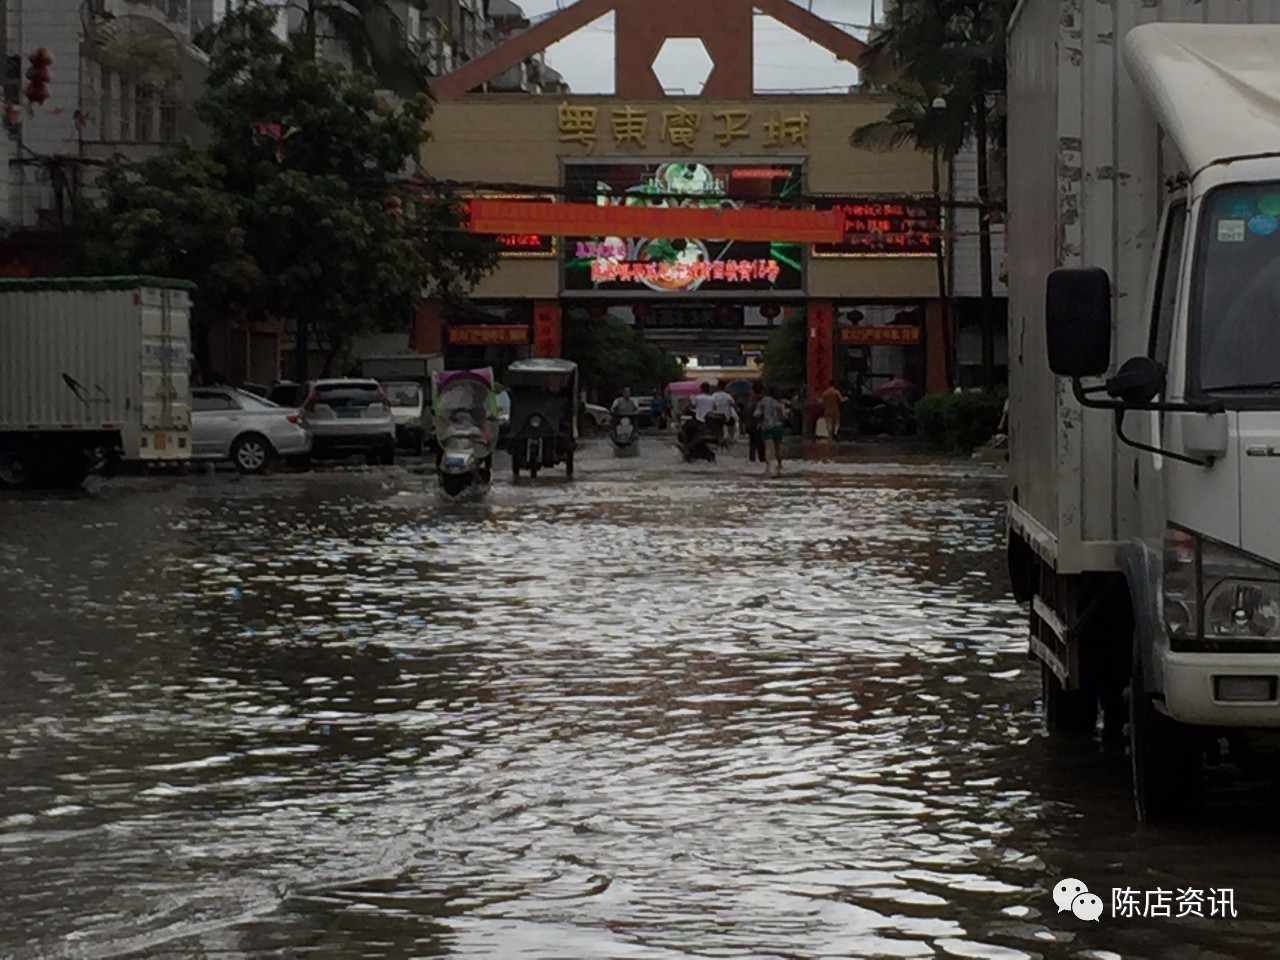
(346, 416)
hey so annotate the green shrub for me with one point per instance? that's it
(959, 422)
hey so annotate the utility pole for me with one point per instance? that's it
(986, 305)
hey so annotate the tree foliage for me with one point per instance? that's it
(784, 354)
(611, 354)
(299, 206)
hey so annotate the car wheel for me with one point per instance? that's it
(251, 453)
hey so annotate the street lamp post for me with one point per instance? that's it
(938, 107)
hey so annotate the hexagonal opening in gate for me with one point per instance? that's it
(683, 65)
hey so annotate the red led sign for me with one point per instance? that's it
(875, 229)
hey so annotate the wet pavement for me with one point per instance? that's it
(663, 711)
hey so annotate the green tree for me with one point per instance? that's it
(611, 354)
(784, 354)
(306, 174)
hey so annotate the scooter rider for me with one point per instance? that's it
(700, 407)
(624, 406)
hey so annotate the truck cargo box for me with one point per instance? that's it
(1087, 179)
(100, 357)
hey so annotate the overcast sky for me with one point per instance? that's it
(784, 59)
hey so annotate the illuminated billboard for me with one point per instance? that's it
(702, 265)
(884, 229)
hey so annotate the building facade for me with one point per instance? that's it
(123, 77)
(877, 292)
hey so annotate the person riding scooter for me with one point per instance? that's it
(699, 433)
(623, 434)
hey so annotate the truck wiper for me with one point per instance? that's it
(1261, 387)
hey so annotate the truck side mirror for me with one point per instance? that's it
(1078, 321)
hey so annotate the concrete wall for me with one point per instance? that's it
(516, 139)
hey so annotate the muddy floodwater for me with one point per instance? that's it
(663, 711)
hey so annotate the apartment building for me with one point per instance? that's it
(123, 77)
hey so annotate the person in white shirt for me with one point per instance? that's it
(703, 403)
(724, 406)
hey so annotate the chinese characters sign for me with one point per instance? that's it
(526, 244)
(681, 128)
(884, 229)
(818, 354)
(488, 334)
(731, 271)
(880, 336)
(546, 329)
(631, 264)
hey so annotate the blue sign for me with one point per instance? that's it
(1264, 224)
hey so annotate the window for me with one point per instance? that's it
(107, 106)
(12, 85)
(209, 401)
(1166, 301)
(348, 396)
(144, 99)
(126, 111)
(168, 118)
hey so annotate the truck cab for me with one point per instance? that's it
(1148, 541)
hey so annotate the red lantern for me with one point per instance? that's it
(595, 312)
(38, 76)
(769, 311)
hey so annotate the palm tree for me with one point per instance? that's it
(918, 119)
(958, 48)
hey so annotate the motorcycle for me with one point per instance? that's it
(465, 416)
(698, 440)
(624, 436)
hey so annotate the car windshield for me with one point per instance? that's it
(403, 394)
(341, 396)
(1236, 312)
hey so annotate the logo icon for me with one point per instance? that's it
(1071, 894)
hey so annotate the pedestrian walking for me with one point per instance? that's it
(769, 413)
(755, 442)
(831, 398)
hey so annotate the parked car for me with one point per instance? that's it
(230, 424)
(409, 411)
(599, 417)
(350, 415)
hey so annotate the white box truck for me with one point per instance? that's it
(1144, 267)
(92, 364)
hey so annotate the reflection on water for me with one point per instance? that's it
(660, 712)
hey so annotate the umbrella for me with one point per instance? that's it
(896, 385)
(685, 388)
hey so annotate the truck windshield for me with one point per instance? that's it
(1236, 306)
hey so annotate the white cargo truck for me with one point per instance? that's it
(1144, 267)
(92, 364)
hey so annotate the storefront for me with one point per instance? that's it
(700, 296)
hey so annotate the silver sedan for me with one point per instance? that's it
(230, 424)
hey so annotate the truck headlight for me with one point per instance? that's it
(1215, 592)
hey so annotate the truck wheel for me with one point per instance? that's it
(251, 453)
(1066, 712)
(17, 467)
(1168, 768)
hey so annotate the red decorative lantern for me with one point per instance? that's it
(595, 312)
(38, 76)
(770, 310)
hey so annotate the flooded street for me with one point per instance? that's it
(663, 711)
